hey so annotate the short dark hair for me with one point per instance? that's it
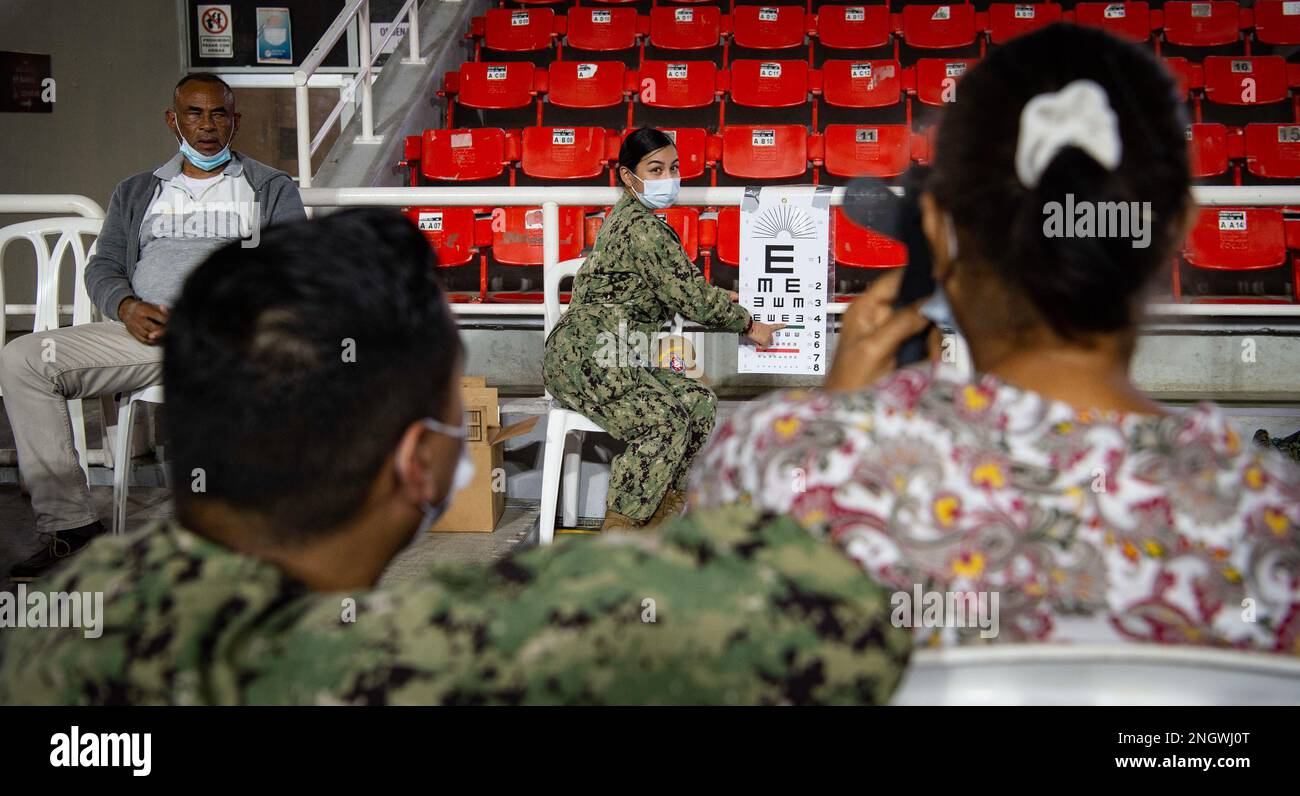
(203, 77)
(640, 143)
(1078, 285)
(262, 396)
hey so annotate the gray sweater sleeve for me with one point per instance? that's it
(284, 200)
(106, 273)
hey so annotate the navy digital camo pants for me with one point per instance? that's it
(664, 417)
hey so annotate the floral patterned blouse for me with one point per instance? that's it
(1089, 527)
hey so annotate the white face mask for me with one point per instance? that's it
(459, 480)
(659, 193)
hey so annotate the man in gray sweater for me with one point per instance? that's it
(160, 226)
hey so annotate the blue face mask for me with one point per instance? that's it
(205, 162)
(937, 309)
(659, 193)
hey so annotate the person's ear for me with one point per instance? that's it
(626, 175)
(169, 118)
(414, 462)
(934, 223)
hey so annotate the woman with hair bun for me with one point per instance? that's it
(636, 279)
(1046, 484)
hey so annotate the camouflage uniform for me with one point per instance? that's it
(635, 279)
(746, 609)
(1288, 445)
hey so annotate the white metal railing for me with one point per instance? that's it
(552, 198)
(359, 10)
(61, 203)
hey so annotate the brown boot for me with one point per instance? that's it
(619, 522)
(671, 506)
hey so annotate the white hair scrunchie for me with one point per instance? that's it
(1077, 115)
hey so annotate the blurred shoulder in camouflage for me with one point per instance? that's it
(723, 607)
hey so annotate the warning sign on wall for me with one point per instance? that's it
(216, 37)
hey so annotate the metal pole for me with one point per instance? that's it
(367, 102)
(413, 35)
(550, 236)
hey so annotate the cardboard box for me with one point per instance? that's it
(478, 507)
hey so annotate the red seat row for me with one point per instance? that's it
(1268, 151)
(927, 26)
(758, 152)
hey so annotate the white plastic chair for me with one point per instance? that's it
(1107, 674)
(562, 460)
(122, 450)
(68, 233)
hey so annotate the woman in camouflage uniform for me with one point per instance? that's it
(635, 279)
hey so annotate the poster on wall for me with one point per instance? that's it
(274, 39)
(26, 84)
(216, 34)
(785, 276)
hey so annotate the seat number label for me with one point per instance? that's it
(767, 15)
(562, 136)
(941, 13)
(955, 69)
(496, 73)
(1024, 12)
(684, 15)
(1242, 67)
(518, 18)
(769, 70)
(764, 138)
(600, 17)
(868, 135)
(676, 71)
(1288, 134)
(858, 14)
(430, 222)
(586, 71)
(1114, 11)
(860, 70)
(1232, 221)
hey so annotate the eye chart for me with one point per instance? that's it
(785, 276)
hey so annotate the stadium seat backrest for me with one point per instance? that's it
(765, 152)
(449, 230)
(685, 28)
(517, 234)
(1207, 149)
(479, 153)
(496, 85)
(858, 247)
(1188, 75)
(602, 29)
(1201, 24)
(519, 29)
(937, 78)
(768, 27)
(564, 153)
(879, 150)
(853, 27)
(1273, 151)
(728, 243)
(939, 26)
(585, 84)
(1009, 20)
(692, 149)
(677, 84)
(1277, 21)
(862, 84)
(1131, 21)
(1237, 238)
(1244, 80)
(769, 84)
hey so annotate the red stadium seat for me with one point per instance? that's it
(936, 78)
(1245, 80)
(853, 27)
(1207, 149)
(1188, 75)
(1277, 22)
(880, 150)
(677, 84)
(492, 86)
(1130, 21)
(685, 221)
(519, 29)
(862, 84)
(517, 234)
(728, 243)
(1273, 151)
(579, 84)
(565, 153)
(858, 247)
(1009, 20)
(765, 152)
(1237, 239)
(692, 149)
(939, 26)
(602, 29)
(768, 27)
(769, 84)
(450, 232)
(1201, 24)
(677, 28)
(480, 153)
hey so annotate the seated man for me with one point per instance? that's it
(160, 225)
(315, 427)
